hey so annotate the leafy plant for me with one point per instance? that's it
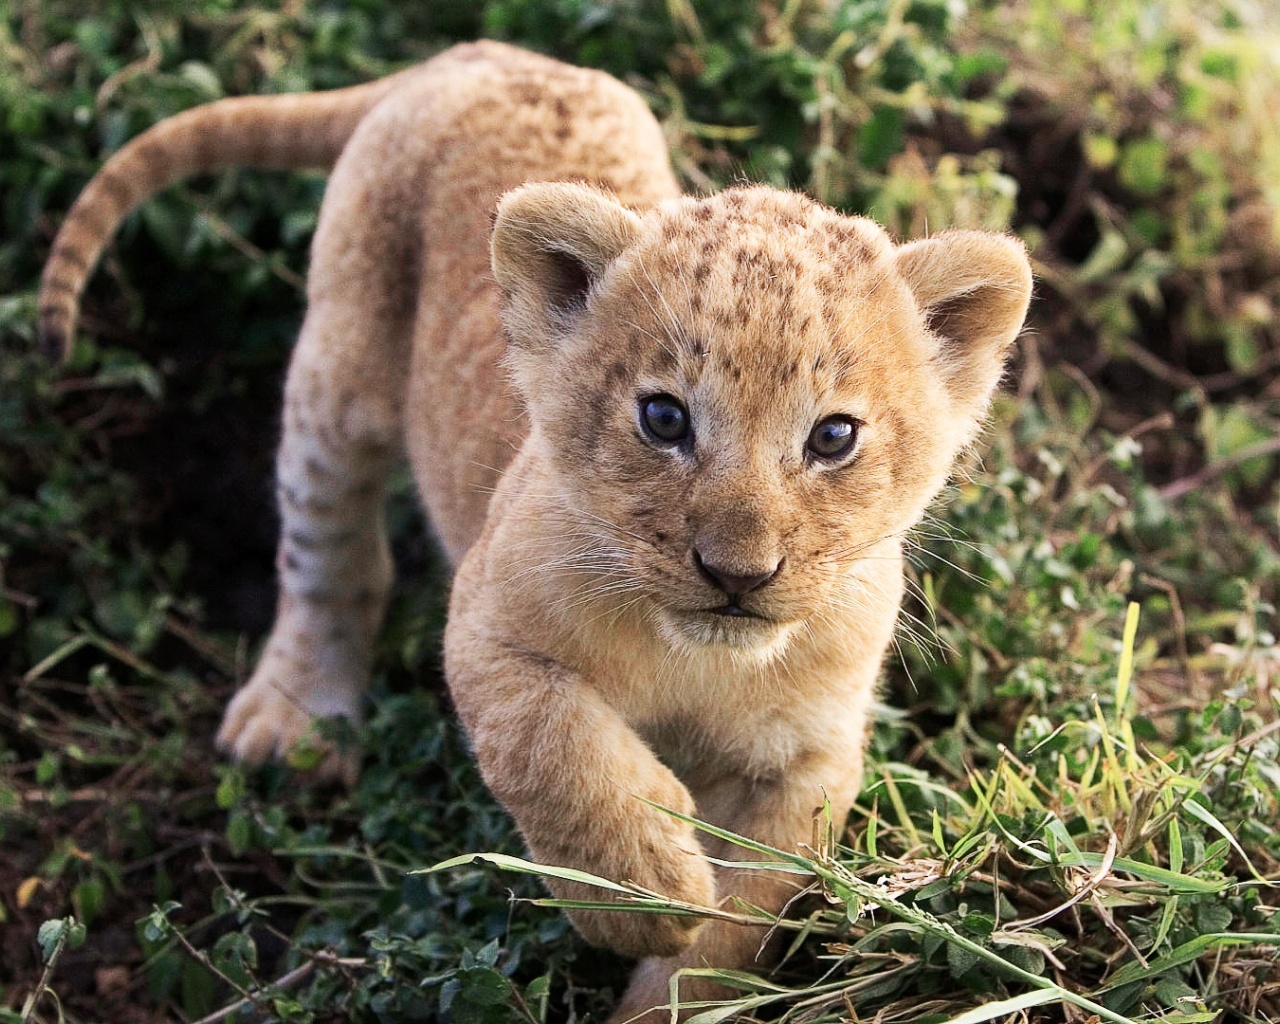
(1039, 824)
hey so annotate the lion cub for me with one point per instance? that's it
(671, 444)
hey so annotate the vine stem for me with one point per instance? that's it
(42, 986)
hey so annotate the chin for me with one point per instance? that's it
(747, 639)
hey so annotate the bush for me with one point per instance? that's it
(1024, 770)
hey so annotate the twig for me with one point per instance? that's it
(201, 644)
(19, 598)
(1072, 208)
(1160, 421)
(147, 65)
(1245, 742)
(1179, 488)
(1084, 889)
(203, 958)
(246, 248)
(1105, 917)
(1179, 626)
(1215, 382)
(65, 651)
(283, 982)
(251, 998)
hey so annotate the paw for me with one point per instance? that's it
(274, 715)
(637, 935)
(669, 864)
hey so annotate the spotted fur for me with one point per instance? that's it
(696, 624)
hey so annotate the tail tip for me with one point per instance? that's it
(55, 337)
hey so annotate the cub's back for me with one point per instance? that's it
(407, 219)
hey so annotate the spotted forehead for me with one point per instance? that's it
(754, 280)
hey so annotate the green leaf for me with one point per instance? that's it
(1125, 671)
(1169, 991)
(960, 960)
(1106, 258)
(156, 926)
(483, 986)
(1212, 916)
(636, 905)
(1029, 958)
(305, 756)
(231, 788)
(1202, 814)
(1003, 1007)
(1100, 151)
(9, 618)
(239, 832)
(737, 840)
(1185, 954)
(1176, 883)
(87, 897)
(198, 997)
(236, 955)
(52, 935)
(880, 138)
(525, 867)
(1144, 166)
(168, 220)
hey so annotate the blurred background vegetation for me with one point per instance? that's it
(1134, 145)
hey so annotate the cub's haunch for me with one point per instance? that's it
(670, 443)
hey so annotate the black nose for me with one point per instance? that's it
(733, 584)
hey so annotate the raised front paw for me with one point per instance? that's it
(648, 935)
(276, 712)
(657, 853)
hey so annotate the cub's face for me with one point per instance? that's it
(746, 399)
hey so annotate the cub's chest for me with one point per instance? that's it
(714, 711)
(704, 739)
(699, 755)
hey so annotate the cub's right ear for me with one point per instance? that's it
(973, 288)
(552, 242)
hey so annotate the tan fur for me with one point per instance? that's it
(588, 649)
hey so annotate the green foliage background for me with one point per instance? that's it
(1133, 145)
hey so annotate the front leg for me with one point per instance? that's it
(574, 776)
(779, 812)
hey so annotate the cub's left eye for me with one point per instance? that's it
(833, 438)
(664, 419)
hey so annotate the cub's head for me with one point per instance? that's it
(744, 399)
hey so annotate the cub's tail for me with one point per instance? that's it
(284, 132)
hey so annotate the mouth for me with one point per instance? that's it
(733, 610)
(729, 628)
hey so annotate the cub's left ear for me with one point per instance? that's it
(973, 288)
(552, 242)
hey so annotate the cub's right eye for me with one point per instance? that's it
(664, 420)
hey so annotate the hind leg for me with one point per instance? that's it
(340, 438)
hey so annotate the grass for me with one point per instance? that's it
(1070, 808)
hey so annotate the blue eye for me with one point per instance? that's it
(664, 419)
(832, 438)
